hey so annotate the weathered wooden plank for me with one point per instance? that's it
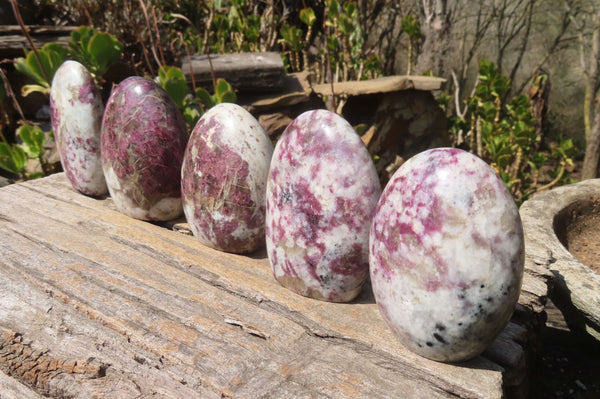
(209, 320)
(13, 43)
(116, 314)
(68, 339)
(386, 84)
(13, 389)
(260, 72)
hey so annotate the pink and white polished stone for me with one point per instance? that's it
(143, 141)
(447, 254)
(321, 196)
(224, 179)
(76, 113)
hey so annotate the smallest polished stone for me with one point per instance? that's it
(76, 113)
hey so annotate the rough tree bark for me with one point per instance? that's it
(435, 29)
(592, 147)
(591, 101)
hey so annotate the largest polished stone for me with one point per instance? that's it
(447, 254)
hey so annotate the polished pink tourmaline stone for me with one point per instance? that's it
(224, 179)
(447, 254)
(321, 194)
(143, 140)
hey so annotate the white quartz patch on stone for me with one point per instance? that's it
(166, 208)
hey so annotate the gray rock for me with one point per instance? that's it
(546, 218)
(4, 181)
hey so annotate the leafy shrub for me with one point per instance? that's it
(50, 57)
(195, 104)
(13, 158)
(97, 51)
(503, 133)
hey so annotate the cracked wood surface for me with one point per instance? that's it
(96, 304)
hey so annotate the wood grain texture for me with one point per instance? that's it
(244, 71)
(13, 43)
(386, 84)
(141, 310)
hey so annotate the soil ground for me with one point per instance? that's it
(583, 236)
(568, 365)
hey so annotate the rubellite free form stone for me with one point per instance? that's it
(321, 196)
(76, 113)
(143, 141)
(224, 179)
(447, 254)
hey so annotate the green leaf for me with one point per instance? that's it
(410, 25)
(51, 56)
(58, 49)
(84, 34)
(162, 74)
(350, 8)
(174, 73)
(204, 98)
(177, 89)
(222, 87)
(104, 50)
(567, 146)
(192, 113)
(506, 179)
(22, 66)
(221, 24)
(228, 97)
(333, 9)
(35, 175)
(12, 158)
(252, 34)
(97, 51)
(307, 16)
(361, 128)
(173, 81)
(333, 43)
(346, 24)
(34, 139)
(292, 36)
(78, 45)
(487, 69)
(235, 22)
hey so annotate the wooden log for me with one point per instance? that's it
(154, 312)
(386, 84)
(14, 44)
(256, 72)
(13, 389)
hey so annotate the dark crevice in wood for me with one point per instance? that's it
(37, 369)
